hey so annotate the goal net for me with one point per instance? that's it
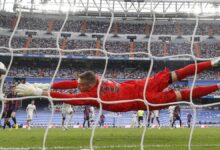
(159, 44)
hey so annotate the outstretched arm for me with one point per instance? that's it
(74, 96)
(30, 90)
(67, 84)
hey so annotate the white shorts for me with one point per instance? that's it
(171, 117)
(155, 113)
(67, 112)
(29, 116)
(134, 120)
(92, 117)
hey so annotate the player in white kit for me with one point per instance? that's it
(92, 115)
(155, 114)
(31, 109)
(134, 119)
(67, 112)
(171, 110)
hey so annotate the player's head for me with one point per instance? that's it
(32, 102)
(86, 81)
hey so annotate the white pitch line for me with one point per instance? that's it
(108, 146)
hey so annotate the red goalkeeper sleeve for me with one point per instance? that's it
(198, 92)
(189, 70)
(67, 84)
(75, 102)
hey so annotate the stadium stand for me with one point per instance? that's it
(171, 38)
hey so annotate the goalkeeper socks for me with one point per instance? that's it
(198, 92)
(190, 69)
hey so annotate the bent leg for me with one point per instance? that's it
(197, 92)
(8, 122)
(189, 70)
(84, 122)
(173, 96)
(63, 119)
(158, 121)
(173, 122)
(13, 116)
(180, 122)
(70, 118)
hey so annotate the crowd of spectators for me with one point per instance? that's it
(24, 68)
(115, 70)
(115, 74)
(101, 25)
(158, 48)
(71, 71)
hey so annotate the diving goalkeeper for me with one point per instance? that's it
(112, 91)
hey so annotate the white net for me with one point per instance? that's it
(146, 56)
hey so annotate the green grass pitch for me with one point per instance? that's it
(112, 139)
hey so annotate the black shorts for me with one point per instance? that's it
(8, 114)
(86, 118)
(140, 118)
(177, 118)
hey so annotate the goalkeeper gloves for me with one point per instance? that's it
(215, 62)
(28, 90)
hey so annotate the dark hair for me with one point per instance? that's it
(88, 76)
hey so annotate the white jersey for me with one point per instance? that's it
(66, 108)
(92, 113)
(134, 117)
(171, 110)
(30, 109)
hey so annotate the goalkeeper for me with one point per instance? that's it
(112, 91)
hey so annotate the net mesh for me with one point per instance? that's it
(147, 55)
